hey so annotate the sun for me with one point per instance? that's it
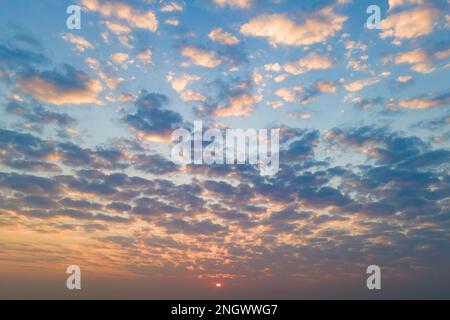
(218, 285)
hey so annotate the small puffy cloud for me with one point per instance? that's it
(179, 82)
(411, 57)
(280, 30)
(117, 28)
(192, 96)
(275, 104)
(37, 116)
(403, 79)
(201, 57)
(223, 37)
(134, 17)
(111, 82)
(295, 115)
(276, 67)
(241, 4)
(153, 121)
(400, 3)
(443, 54)
(419, 59)
(423, 68)
(69, 86)
(257, 77)
(410, 24)
(238, 105)
(120, 58)
(360, 84)
(311, 62)
(172, 7)
(327, 87)
(288, 94)
(280, 78)
(80, 43)
(145, 56)
(172, 21)
(425, 102)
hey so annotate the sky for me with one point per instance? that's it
(86, 176)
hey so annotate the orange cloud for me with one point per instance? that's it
(280, 30)
(240, 105)
(201, 57)
(223, 37)
(80, 43)
(135, 18)
(410, 24)
(311, 62)
(241, 4)
(82, 90)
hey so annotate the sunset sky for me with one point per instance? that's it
(86, 176)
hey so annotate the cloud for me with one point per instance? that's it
(134, 17)
(172, 21)
(29, 184)
(154, 163)
(201, 57)
(366, 103)
(117, 28)
(152, 121)
(425, 102)
(20, 59)
(175, 226)
(179, 82)
(360, 84)
(223, 37)
(238, 105)
(411, 57)
(420, 60)
(241, 4)
(276, 67)
(410, 24)
(400, 3)
(37, 116)
(311, 62)
(315, 90)
(378, 143)
(80, 43)
(191, 96)
(172, 7)
(289, 94)
(325, 86)
(145, 56)
(120, 58)
(65, 86)
(280, 30)
(404, 79)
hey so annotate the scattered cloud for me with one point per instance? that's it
(410, 24)
(65, 86)
(201, 57)
(241, 4)
(80, 43)
(172, 7)
(134, 17)
(311, 62)
(223, 37)
(239, 105)
(280, 30)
